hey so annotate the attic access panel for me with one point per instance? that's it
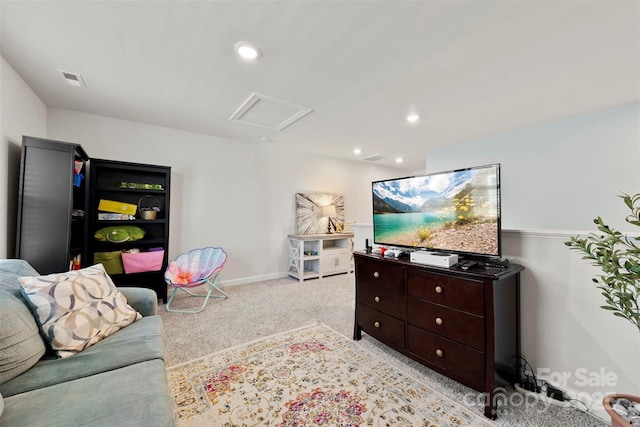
(271, 113)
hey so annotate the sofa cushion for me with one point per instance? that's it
(140, 341)
(136, 395)
(21, 345)
(143, 300)
(76, 309)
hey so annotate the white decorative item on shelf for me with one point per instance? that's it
(435, 259)
(362, 233)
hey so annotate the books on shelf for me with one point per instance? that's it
(114, 217)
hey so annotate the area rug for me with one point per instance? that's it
(311, 376)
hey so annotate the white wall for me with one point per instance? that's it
(21, 113)
(558, 177)
(239, 196)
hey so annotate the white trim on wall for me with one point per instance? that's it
(554, 234)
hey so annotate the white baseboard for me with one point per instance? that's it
(252, 279)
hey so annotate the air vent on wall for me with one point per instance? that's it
(74, 79)
(374, 158)
(268, 112)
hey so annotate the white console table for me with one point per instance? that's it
(318, 255)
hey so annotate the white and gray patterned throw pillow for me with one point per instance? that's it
(76, 309)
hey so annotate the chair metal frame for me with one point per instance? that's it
(210, 281)
(212, 287)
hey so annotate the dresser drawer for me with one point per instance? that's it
(381, 326)
(461, 294)
(379, 298)
(465, 328)
(458, 362)
(382, 274)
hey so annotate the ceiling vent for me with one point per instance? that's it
(374, 158)
(74, 79)
(268, 112)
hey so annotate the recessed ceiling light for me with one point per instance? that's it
(412, 118)
(357, 151)
(265, 139)
(398, 159)
(247, 50)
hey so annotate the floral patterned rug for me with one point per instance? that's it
(311, 376)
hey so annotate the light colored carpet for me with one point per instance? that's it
(261, 309)
(308, 376)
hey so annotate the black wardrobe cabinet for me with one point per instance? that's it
(51, 225)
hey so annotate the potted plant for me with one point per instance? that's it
(618, 257)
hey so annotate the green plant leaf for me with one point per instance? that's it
(618, 257)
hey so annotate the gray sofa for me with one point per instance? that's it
(119, 381)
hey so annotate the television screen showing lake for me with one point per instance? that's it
(452, 211)
(394, 226)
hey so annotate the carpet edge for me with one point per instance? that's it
(250, 342)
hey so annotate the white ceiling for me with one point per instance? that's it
(470, 68)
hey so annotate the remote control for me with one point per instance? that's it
(466, 265)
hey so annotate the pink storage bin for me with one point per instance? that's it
(142, 261)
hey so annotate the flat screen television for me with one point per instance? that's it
(455, 211)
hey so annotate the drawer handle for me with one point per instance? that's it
(439, 321)
(439, 353)
(377, 299)
(438, 289)
(376, 274)
(376, 324)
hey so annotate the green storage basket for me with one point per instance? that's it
(112, 261)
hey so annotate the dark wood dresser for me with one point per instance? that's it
(463, 324)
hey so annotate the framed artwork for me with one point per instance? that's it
(309, 209)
